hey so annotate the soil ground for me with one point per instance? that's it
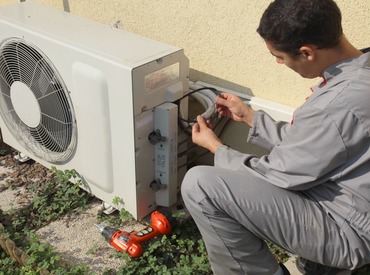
(74, 236)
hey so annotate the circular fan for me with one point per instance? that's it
(34, 102)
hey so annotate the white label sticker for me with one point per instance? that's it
(162, 77)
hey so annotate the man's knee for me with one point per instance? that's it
(195, 181)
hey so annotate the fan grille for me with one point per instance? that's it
(54, 138)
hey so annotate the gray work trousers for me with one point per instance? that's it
(235, 212)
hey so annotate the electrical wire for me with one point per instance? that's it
(206, 96)
(198, 90)
(218, 132)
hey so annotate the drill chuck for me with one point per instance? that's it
(108, 232)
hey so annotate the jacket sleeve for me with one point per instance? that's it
(267, 132)
(311, 149)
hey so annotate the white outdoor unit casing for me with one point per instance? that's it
(76, 94)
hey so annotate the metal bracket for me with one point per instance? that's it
(20, 157)
(155, 137)
(156, 185)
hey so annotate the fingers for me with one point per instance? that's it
(195, 128)
(199, 124)
(226, 100)
(221, 104)
(209, 124)
(223, 95)
(226, 96)
(201, 121)
(221, 99)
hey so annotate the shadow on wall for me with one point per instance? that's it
(66, 6)
(213, 80)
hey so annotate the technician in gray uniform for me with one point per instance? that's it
(311, 194)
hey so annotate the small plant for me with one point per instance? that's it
(124, 215)
(117, 218)
(93, 249)
(51, 200)
(280, 254)
(37, 258)
(4, 149)
(365, 270)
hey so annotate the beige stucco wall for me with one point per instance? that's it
(219, 38)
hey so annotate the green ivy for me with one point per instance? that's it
(51, 201)
(180, 253)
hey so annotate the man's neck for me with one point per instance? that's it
(344, 50)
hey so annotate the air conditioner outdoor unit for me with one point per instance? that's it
(76, 94)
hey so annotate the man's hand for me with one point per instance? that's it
(203, 135)
(232, 106)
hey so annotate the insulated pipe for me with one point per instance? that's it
(204, 101)
(208, 95)
(210, 98)
(206, 98)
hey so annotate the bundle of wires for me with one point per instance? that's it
(206, 96)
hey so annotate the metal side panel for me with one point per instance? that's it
(91, 102)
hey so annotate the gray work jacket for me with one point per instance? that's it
(325, 150)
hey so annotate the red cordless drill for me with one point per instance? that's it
(130, 241)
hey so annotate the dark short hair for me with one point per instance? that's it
(290, 24)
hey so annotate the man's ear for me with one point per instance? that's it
(308, 52)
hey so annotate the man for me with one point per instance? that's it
(311, 194)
